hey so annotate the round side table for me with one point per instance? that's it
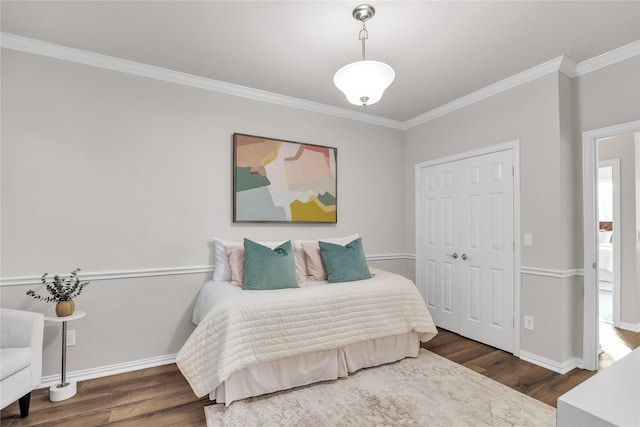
(65, 389)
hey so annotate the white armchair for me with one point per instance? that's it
(21, 335)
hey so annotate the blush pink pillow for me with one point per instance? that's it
(315, 266)
(236, 264)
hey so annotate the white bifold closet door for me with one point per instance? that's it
(466, 246)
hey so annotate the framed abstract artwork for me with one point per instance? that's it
(283, 181)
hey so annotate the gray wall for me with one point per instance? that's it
(606, 97)
(547, 116)
(531, 114)
(116, 173)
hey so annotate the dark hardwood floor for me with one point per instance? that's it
(162, 397)
(151, 397)
(532, 380)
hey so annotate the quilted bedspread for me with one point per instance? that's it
(249, 327)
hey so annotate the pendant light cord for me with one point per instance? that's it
(363, 36)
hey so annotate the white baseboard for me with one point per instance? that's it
(105, 371)
(552, 365)
(120, 368)
(633, 327)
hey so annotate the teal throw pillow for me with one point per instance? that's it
(344, 263)
(266, 268)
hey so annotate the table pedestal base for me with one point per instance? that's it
(59, 392)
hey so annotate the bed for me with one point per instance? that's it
(249, 343)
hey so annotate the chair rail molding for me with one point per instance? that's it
(109, 275)
(548, 272)
(162, 271)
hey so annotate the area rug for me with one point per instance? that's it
(426, 391)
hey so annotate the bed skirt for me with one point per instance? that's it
(310, 368)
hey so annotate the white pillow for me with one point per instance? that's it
(221, 269)
(298, 253)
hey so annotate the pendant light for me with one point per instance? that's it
(363, 82)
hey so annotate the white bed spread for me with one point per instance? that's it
(245, 328)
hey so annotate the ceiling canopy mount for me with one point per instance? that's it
(364, 12)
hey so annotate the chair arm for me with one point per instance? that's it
(20, 328)
(24, 329)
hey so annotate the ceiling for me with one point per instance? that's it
(440, 50)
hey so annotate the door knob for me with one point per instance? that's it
(464, 257)
(453, 255)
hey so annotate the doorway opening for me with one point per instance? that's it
(623, 280)
(608, 238)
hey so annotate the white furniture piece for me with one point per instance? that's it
(609, 398)
(65, 389)
(21, 335)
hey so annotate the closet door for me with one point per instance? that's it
(437, 239)
(486, 263)
(466, 253)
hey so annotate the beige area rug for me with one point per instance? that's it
(426, 391)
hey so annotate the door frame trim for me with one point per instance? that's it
(514, 147)
(590, 338)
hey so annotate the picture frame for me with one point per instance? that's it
(280, 181)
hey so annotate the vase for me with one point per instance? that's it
(65, 308)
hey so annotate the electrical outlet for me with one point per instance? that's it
(71, 338)
(528, 323)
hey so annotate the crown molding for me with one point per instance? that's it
(609, 58)
(51, 50)
(562, 64)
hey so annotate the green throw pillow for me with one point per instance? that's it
(266, 268)
(344, 263)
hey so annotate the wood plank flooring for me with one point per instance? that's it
(532, 380)
(162, 397)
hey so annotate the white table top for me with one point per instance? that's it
(612, 395)
(76, 315)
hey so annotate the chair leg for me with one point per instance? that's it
(24, 404)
